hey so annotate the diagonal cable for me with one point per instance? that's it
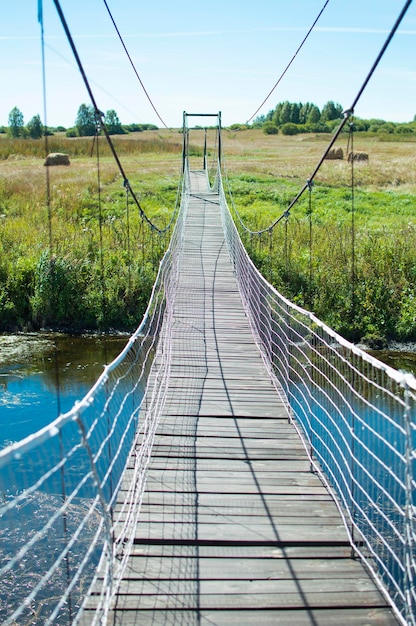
(290, 62)
(133, 66)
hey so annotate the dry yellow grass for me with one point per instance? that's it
(392, 163)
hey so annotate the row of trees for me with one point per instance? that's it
(287, 116)
(85, 124)
(308, 113)
(17, 126)
(290, 118)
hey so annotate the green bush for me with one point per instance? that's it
(270, 129)
(289, 129)
(103, 263)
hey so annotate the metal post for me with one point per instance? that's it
(204, 165)
(184, 142)
(219, 140)
(408, 547)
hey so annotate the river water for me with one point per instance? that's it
(43, 374)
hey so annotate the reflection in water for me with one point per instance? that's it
(398, 359)
(43, 374)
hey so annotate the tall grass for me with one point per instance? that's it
(347, 254)
(136, 143)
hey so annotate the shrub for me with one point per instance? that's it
(55, 301)
(289, 129)
(238, 127)
(270, 129)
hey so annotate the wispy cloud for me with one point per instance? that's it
(210, 33)
(270, 29)
(363, 31)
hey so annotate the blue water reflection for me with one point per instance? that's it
(42, 375)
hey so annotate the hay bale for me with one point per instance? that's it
(358, 156)
(57, 158)
(335, 153)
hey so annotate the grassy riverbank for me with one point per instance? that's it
(349, 254)
(88, 260)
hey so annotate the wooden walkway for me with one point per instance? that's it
(234, 528)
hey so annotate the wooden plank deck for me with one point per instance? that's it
(234, 528)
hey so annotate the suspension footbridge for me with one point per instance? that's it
(234, 527)
(238, 462)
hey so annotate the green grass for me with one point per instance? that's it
(348, 255)
(88, 261)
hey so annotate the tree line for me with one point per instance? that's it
(291, 118)
(287, 118)
(86, 124)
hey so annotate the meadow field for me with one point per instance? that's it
(82, 257)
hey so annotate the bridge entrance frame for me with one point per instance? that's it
(185, 145)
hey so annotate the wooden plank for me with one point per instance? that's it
(287, 592)
(311, 503)
(257, 532)
(262, 617)
(221, 568)
(265, 466)
(317, 552)
(243, 596)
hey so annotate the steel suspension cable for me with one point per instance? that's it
(128, 237)
(347, 114)
(353, 272)
(100, 116)
(48, 197)
(45, 128)
(134, 67)
(310, 246)
(67, 565)
(100, 225)
(290, 62)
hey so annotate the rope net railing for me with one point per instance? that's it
(357, 418)
(66, 512)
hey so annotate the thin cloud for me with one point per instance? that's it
(270, 29)
(364, 31)
(207, 33)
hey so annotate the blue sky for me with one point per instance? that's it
(205, 57)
